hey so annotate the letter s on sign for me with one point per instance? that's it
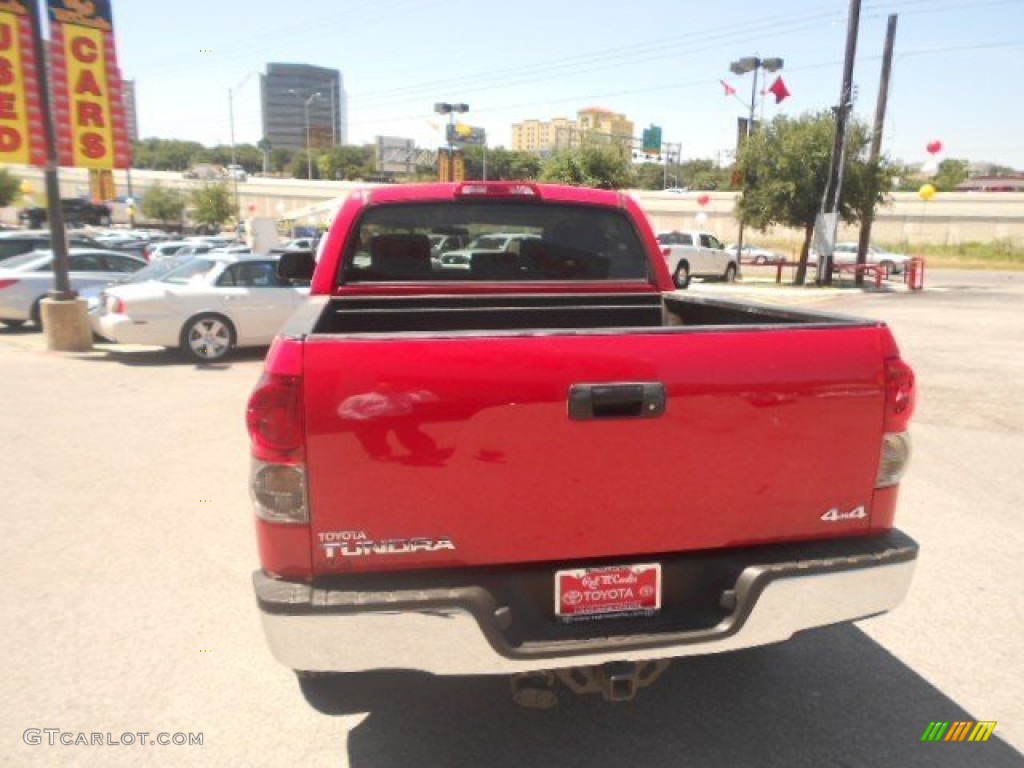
(92, 146)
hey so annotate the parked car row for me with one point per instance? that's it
(26, 279)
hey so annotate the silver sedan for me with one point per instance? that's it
(26, 279)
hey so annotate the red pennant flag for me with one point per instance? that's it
(779, 90)
(729, 90)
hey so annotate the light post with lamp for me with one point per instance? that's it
(232, 92)
(741, 67)
(309, 149)
(444, 108)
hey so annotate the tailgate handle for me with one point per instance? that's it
(616, 401)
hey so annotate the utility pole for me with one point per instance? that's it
(834, 187)
(876, 141)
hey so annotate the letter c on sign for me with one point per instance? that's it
(84, 49)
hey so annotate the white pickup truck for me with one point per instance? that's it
(696, 254)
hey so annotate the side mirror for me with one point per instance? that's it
(296, 265)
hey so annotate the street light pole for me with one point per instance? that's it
(309, 145)
(232, 92)
(741, 67)
(309, 148)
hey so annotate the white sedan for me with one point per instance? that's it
(26, 279)
(206, 307)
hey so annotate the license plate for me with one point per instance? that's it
(611, 591)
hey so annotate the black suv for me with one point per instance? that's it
(76, 211)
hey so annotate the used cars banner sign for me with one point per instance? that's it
(21, 128)
(87, 89)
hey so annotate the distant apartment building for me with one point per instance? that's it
(593, 124)
(131, 118)
(538, 136)
(288, 92)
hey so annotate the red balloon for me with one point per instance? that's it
(252, 207)
(934, 147)
(703, 200)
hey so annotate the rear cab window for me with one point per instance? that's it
(522, 241)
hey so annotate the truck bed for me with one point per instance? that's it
(468, 312)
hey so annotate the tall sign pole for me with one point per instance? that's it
(834, 187)
(58, 237)
(876, 141)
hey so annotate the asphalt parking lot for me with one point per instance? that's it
(128, 547)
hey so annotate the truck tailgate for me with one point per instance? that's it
(460, 450)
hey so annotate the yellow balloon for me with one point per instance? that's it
(926, 192)
(27, 188)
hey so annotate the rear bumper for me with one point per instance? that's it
(468, 629)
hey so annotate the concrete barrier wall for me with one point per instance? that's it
(948, 218)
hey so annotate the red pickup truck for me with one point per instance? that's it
(550, 463)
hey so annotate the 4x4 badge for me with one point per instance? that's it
(835, 516)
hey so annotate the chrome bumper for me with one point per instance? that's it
(449, 632)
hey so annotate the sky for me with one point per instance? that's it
(956, 70)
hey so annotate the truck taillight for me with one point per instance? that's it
(277, 482)
(894, 459)
(274, 419)
(899, 395)
(899, 407)
(278, 492)
(115, 305)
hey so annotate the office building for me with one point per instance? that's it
(131, 119)
(288, 91)
(593, 124)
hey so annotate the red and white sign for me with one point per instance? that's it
(615, 590)
(21, 127)
(88, 99)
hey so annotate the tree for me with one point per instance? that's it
(347, 162)
(702, 173)
(785, 169)
(212, 203)
(604, 167)
(502, 164)
(167, 154)
(280, 159)
(951, 173)
(650, 176)
(10, 188)
(299, 168)
(163, 204)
